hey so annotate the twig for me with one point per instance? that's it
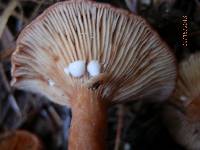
(14, 105)
(6, 14)
(132, 5)
(4, 79)
(16, 14)
(11, 99)
(119, 127)
(55, 117)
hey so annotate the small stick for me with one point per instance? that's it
(55, 117)
(119, 126)
(6, 14)
(11, 99)
(16, 14)
(4, 79)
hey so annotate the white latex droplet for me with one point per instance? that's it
(51, 82)
(77, 68)
(93, 68)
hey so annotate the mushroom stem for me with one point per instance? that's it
(89, 122)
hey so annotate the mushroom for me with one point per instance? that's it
(182, 115)
(135, 64)
(19, 140)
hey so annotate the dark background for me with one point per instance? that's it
(138, 125)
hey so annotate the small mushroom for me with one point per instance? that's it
(137, 64)
(20, 140)
(182, 115)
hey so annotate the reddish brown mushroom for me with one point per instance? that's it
(182, 116)
(20, 140)
(126, 60)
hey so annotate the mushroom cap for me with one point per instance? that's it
(188, 83)
(183, 131)
(183, 117)
(20, 140)
(135, 62)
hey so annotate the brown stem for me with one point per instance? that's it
(88, 126)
